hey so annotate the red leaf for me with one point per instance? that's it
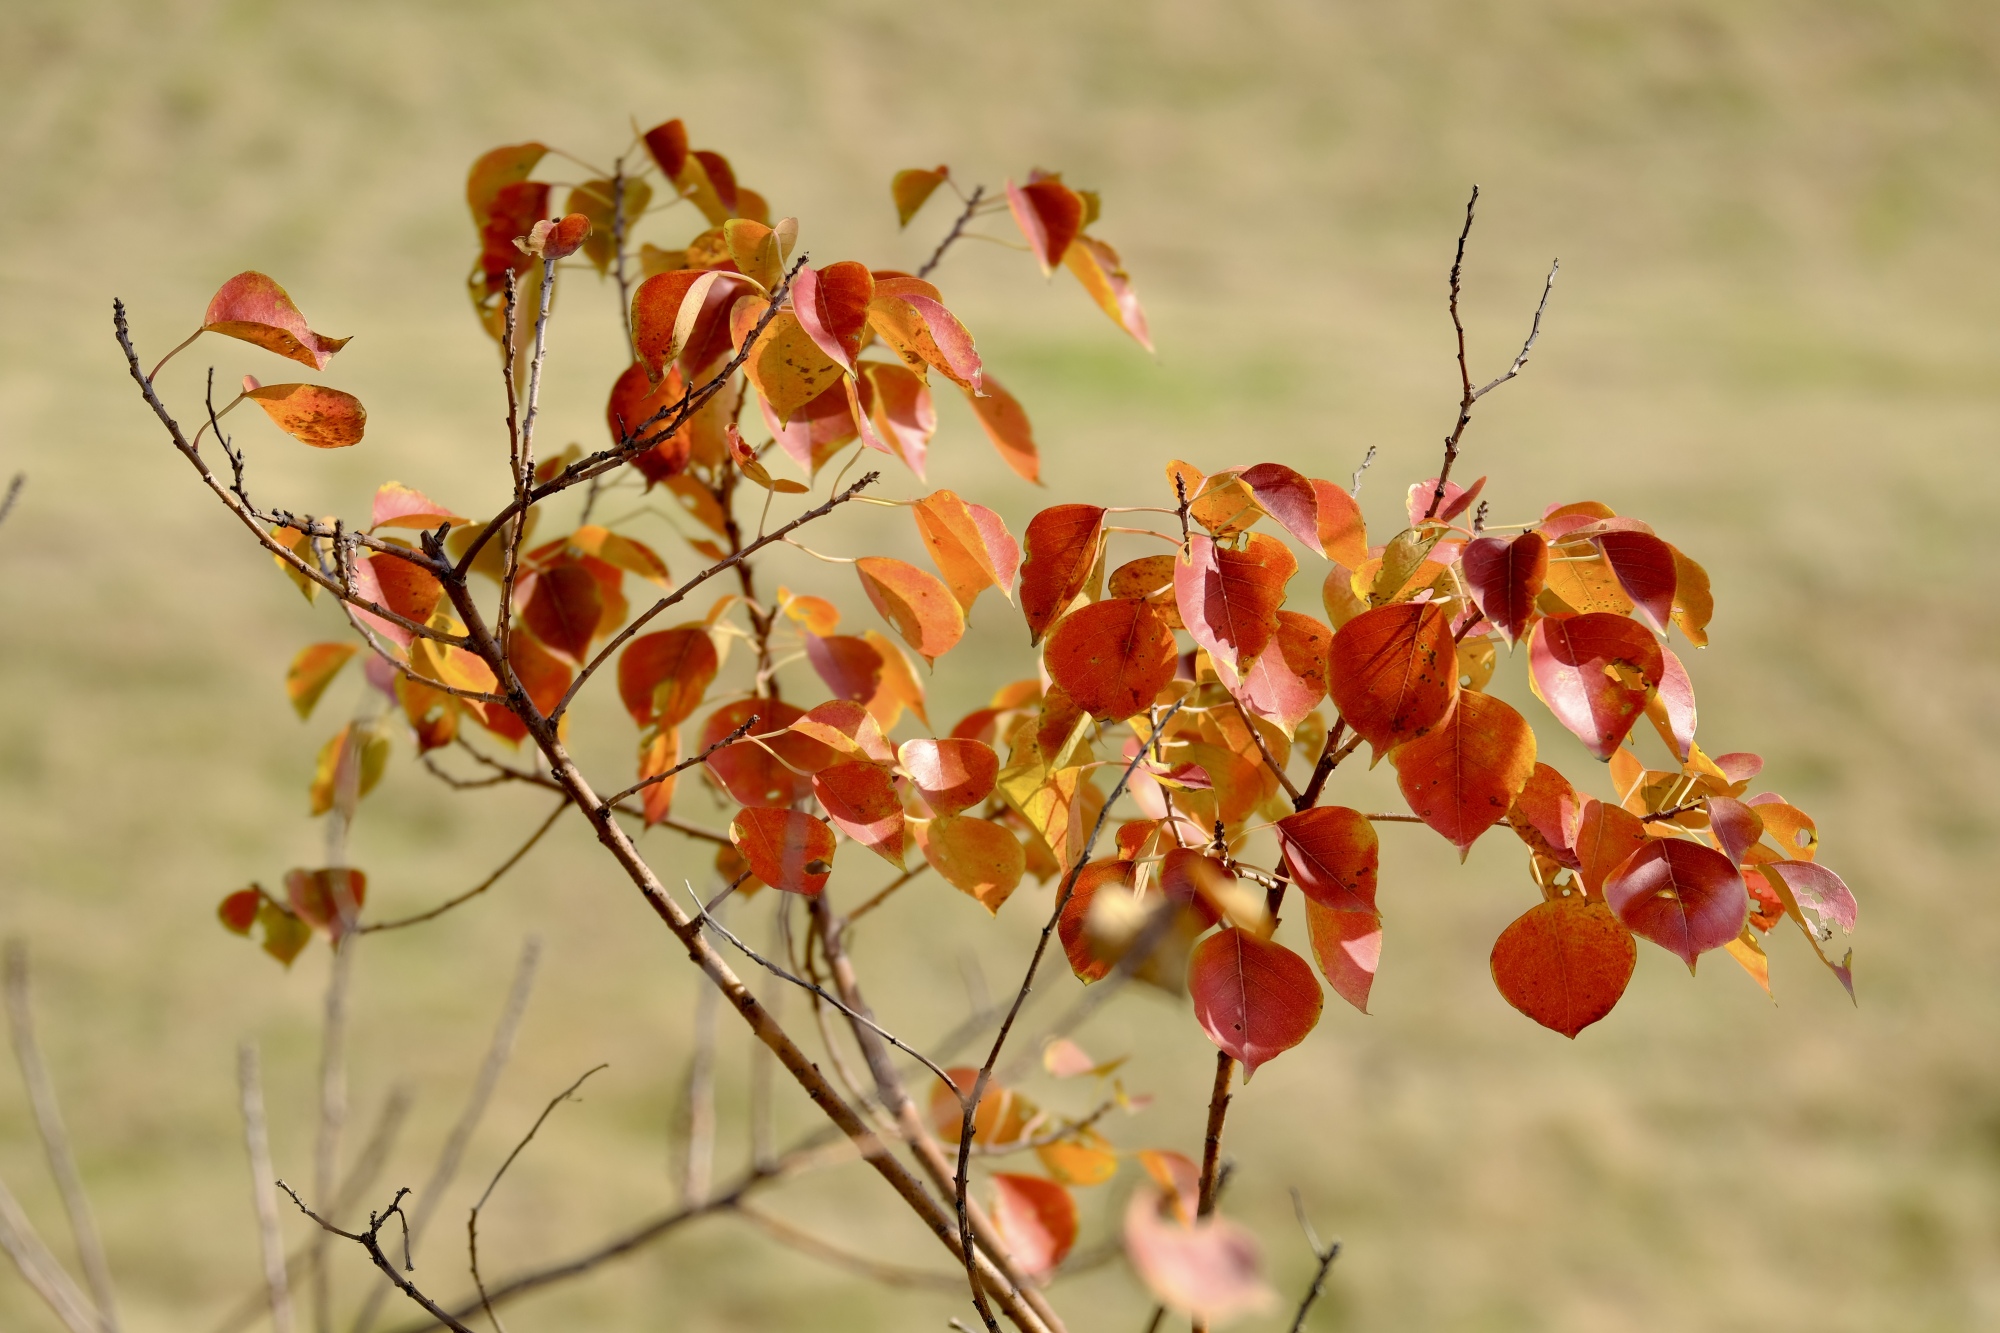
(1606, 835)
(634, 402)
(1049, 214)
(1005, 422)
(1210, 1270)
(1112, 657)
(921, 609)
(747, 771)
(850, 666)
(399, 506)
(1037, 1221)
(328, 899)
(1505, 577)
(1288, 497)
(860, 798)
(1737, 827)
(1348, 946)
(1553, 812)
(668, 143)
(786, 849)
(1463, 777)
(1393, 672)
(564, 609)
(1645, 568)
(1061, 546)
(1288, 679)
(1229, 600)
(1817, 890)
(662, 677)
(252, 307)
(1564, 963)
(1070, 925)
(1595, 672)
(1682, 896)
(832, 306)
(952, 775)
(238, 912)
(1255, 999)
(1333, 855)
(831, 733)
(1196, 881)
(514, 209)
(1672, 706)
(1457, 499)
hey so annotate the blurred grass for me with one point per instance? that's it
(1773, 337)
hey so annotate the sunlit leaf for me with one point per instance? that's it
(1564, 962)
(1693, 604)
(746, 770)
(1112, 657)
(911, 186)
(1083, 961)
(1036, 1219)
(1348, 947)
(663, 676)
(860, 798)
(621, 552)
(1671, 709)
(252, 307)
(1333, 855)
(1005, 422)
(1049, 214)
(978, 857)
(900, 687)
(969, 544)
(1393, 672)
(899, 408)
(1229, 600)
(951, 775)
(908, 317)
(1288, 679)
(312, 414)
(312, 671)
(919, 608)
(1060, 545)
(400, 506)
(1645, 568)
(849, 665)
(786, 849)
(406, 587)
(1003, 1117)
(1254, 998)
(1102, 273)
(832, 306)
(1548, 814)
(564, 608)
(1462, 777)
(1211, 1271)
(657, 754)
(667, 142)
(1595, 672)
(1084, 1159)
(1682, 896)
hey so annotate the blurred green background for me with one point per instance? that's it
(1775, 337)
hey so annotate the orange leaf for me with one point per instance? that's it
(657, 755)
(1564, 962)
(1179, 1180)
(1692, 603)
(908, 316)
(1333, 854)
(900, 687)
(1061, 547)
(1505, 577)
(1102, 273)
(494, 171)
(1342, 534)
(860, 798)
(1112, 657)
(921, 609)
(911, 187)
(1595, 672)
(1606, 836)
(830, 733)
(662, 677)
(1393, 672)
(786, 849)
(398, 506)
(1348, 946)
(564, 609)
(1002, 1119)
(1005, 422)
(1229, 600)
(314, 669)
(1682, 896)
(252, 307)
(1083, 960)
(543, 675)
(787, 367)
(1462, 778)
(976, 856)
(747, 771)
(668, 144)
(952, 775)
(899, 408)
(1553, 814)
(849, 665)
(1036, 1219)
(328, 899)
(407, 588)
(1084, 1160)
(621, 552)
(1288, 679)
(969, 544)
(1049, 214)
(1254, 998)
(313, 414)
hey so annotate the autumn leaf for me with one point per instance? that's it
(1005, 422)
(1564, 962)
(1036, 1219)
(1112, 657)
(1348, 947)
(1693, 604)
(1288, 679)
(1002, 1119)
(1102, 273)
(667, 142)
(406, 587)
(314, 668)
(786, 849)
(978, 857)
(1070, 924)
(911, 186)
(1049, 214)
(832, 307)
(951, 775)
(1061, 547)
(1548, 815)
(621, 552)
(1086, 1158)
(1682, 896)
(908, 316)
(1505, 577)
(1645, 568)
(969, 544)
(1393, 672)
(919, 608)
(1595, 672)
(1211, 1271)
(564, 609)
(400, 506)
(1462, 777)
(833, 732)
(745, 769)
(1333, 855)
(1254, 998)
(1229, 600)
(849, 665)
(898, 406)
(663, 676)
(1606, 837)
(328, 900)
(1671, 709)
(1737, 827)
(900, 687)
(860, 799)
(313, 414)
(256, 309)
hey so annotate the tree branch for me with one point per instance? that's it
(957, 228)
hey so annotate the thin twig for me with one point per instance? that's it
(370, 1240)
(957, 228)
(13, 494)
(477, 889)
(453, 1153)
(263, 1191)
(698, 1163)
(39, 1269)
(472, 1219)
(742, 730)
(55, 1137)
(332, 1096)
(1534, 332)
(1324, 1254)
(889, 1275)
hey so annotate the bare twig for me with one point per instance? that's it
(1367, 461)
(957, 229)
(698, 1162)
(1324, 1254)
(1534, 332)
(332, 1102)
(39, 1269)
(889, 1275)
(370, 1240)
(263, 1190)
(472, 1219)
(453, 1153)
(13, 494)
(477, 889)
(55, 1137)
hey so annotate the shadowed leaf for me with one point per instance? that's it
(1254, 998)
(1564, 962)
(786, 849)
